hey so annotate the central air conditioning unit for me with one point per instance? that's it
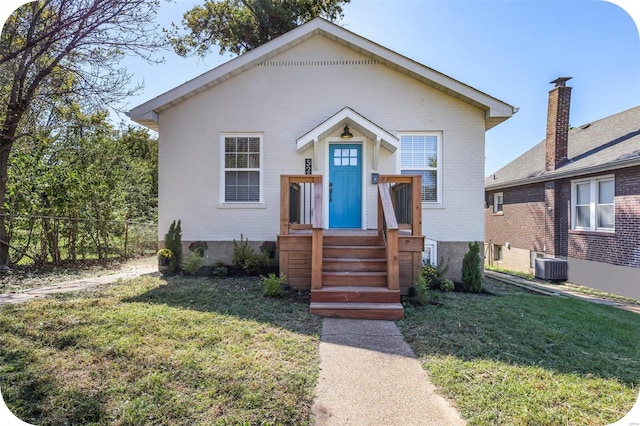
(551, 269)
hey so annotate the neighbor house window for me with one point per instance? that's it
(497, 253)
(420, 155)
(498, 200)
(592, 204)
(241, 155)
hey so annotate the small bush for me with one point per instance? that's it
(241, 252)
(245, 258)
(447, 285)
(220, 271)
(472, 280)
(423, 291)
(173, 242)
(434, 275)
(256, 264)
(192, 263)
(274, 285)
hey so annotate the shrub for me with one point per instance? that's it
(472, 270)
(192, 263)
(241, 252)
(433, 275)
(256, 264)
(173, 242)
(220, 271)
(423, 291)
(245, 258)
(274, 285)
(447, 285)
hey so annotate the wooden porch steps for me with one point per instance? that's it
(380, 311)
(353, 294)
(354, 280)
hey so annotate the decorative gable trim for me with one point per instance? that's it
(354, 120)
(496, 111)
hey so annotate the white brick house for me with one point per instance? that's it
(227, 136)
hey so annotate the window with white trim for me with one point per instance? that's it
(242, 167)
(592, 204)
(420, 155)
(498, 201)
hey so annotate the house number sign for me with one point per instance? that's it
(307, 166)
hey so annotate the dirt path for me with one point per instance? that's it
(130, 269)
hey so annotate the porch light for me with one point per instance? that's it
(346, 134)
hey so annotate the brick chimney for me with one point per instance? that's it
(557, 124)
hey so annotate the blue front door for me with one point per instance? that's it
(345, 186)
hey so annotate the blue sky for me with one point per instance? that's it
(508, 49)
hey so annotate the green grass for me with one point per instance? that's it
(509, 271)
(513, 357)
(566, 286)
(161, 351)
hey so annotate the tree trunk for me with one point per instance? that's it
(5, 149)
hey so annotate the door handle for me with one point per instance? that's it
(330, 191)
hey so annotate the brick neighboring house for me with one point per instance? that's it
(574, 196)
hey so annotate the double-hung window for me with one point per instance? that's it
(242, 159)
(592, 204)
(420, 155)
(498, 202)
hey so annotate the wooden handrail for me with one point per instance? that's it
(390, 225)
(387, 206)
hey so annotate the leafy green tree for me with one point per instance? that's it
(79, 167)
(237, 26)
(53, 50)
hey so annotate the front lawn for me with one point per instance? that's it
(161, 351)
(513, 357)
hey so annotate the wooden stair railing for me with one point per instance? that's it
(304, 212)
(388, 226)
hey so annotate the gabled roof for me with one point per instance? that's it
(607, 144)
(496, 111)
(356, 121)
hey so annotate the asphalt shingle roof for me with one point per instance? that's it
(608, 141)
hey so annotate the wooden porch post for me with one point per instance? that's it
(284, 205)
(316, 235)
(416, 220)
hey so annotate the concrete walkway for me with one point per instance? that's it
(135, 270)
(370, 376)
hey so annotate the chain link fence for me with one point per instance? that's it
(54, 240)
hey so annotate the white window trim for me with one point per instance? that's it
(495, 203)
(221, 176)
(593, 196)
(439, 159)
